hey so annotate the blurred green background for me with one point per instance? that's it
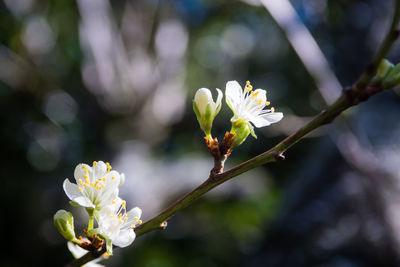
(113, 80)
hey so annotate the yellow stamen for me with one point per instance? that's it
(259, 101)
(254, 94)
(94, 163)
(108, 167)
(135, 218)
(248, 87)
(132, 226)
(80, 189)
(113, 202)
(272, 110)
(113, 178)
(119, 216)
(267, 103)
(139, 222)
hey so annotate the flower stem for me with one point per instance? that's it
(90, 211)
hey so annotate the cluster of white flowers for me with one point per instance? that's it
(97, 186)
(97, 189)
(248, 108)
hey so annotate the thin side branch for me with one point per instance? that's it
(384, 49)
(92, 255)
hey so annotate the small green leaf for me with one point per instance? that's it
(109, 246)
(64, 222)
(384, 68)
(93, 232)
(74, 204)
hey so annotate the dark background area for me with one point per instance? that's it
(114, 80)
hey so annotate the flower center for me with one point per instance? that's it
(120, 218)
(98, 183)
(251, 96)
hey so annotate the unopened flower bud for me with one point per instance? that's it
(64, 222)
(206, 109)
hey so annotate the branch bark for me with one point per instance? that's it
(91, 255)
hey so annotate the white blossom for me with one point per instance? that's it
(117, 224)
(248, 106)
(95, 186)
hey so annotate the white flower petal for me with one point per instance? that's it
(253, 104)
(266, 119)
(113, 179)
(75, 250)
(75, 195)
(219, 99)
(233, 95)
(99, 169)
(202, 98)
(105, 212)
(135, 212)
(107, 197)
(261, 94)
(80, 172)
(125, 238)
(122, 179)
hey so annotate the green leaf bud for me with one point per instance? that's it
(384, 68)
(64, 222)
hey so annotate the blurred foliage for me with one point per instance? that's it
(81, 80)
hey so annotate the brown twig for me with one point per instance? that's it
(220, 152)
(91, 255)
